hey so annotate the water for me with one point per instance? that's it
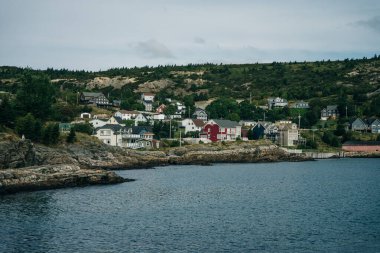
(323, 206)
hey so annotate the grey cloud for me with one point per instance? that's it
(153, 49)
(199, 40)
(373, 23)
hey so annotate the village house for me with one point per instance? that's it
(95, 98)
(221, 130)
(160, 109)
(277, 102)
(127, 137)
(114, 121)
(64, 127)
(147, 100)
(288, 135)
(200, 114)
(141, 118)
(374, 126)
(300, 105)
(158, 116)
(126, 115)
(358, 125)
(137, 137)
(331, 111)
(247, 123)
(192, 125)
(110, 134)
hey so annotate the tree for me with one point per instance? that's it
(250, 134)
(170, 110)
(50, 134)
(234, 117)
(35, 96)
(6, 113)
(71, 137)
(27, 126)
(247, 110)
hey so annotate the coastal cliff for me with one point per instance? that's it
(25, 166)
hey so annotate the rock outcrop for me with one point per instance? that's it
(17, 154)
(52, 177)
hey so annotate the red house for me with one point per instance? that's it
(218, 130)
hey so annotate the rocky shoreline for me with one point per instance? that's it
(25, 166)
(53, 177)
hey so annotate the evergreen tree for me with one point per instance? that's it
(71, 137)
(6, 113)
(26, 126)
(35, 96)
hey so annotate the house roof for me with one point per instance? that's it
(358, 121)
(332, 107)
(372, 120)
(128, 112)
(199, 110)
(92, 94)
(110, 126)
(139, 129)
(198, 122)
(226, 123)
(148, 94)
(361, 143)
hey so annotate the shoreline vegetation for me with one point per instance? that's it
(25, 166)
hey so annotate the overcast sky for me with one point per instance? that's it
(100, 34)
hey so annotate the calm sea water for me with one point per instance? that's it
(322, 206)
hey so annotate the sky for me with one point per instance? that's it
(102, 34)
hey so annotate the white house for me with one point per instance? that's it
(192, 125)
(147, 97)
(114, 121)
(126, 115)
(159, 116)
(200, 114)
(147, 100)
(277, 102)
(110, 134)
(140, 118)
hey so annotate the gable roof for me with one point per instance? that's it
(226, 123)
(110, 126)
(199, 110)
(358, 121)
(139, 129)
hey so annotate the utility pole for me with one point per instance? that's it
(299, 121)
(170, 128)
(180, 142)
(250, 98)
(346, 111)
(264, 116)
(77, 97)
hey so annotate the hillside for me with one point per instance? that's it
(354, 83)
(293, 81)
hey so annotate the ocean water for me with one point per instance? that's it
(320, 206)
